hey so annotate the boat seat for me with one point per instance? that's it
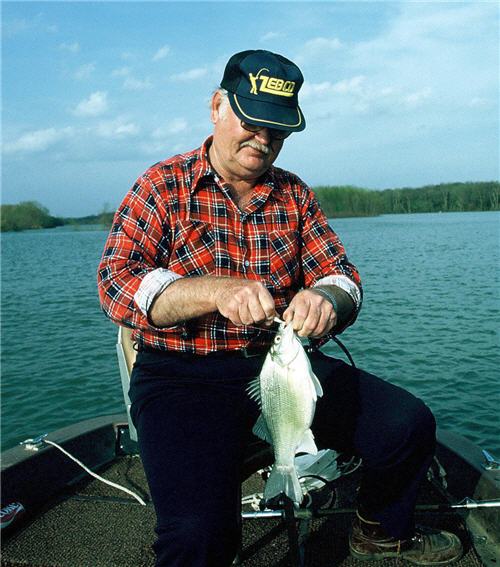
(126, 358)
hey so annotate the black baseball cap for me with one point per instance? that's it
(263, 89)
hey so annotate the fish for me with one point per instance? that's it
(286, 391)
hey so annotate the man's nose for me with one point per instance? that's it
(263, 136)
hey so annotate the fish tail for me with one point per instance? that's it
(283, 479)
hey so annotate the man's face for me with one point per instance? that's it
(242, 155)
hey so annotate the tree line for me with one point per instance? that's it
(336, 201)
(28, 214)
(347, 200)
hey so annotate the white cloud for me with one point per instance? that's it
(437, 45)
(37, 140)
(132, 84)
(440, 21)
(270, 36)
(71, 47)
(350, 86)
(319, 51)
(354, 85)
(416, 98)
(13, 27)
(316, 49)
(190, 75)
(175, 127)
(361, 95)
(84, 71)
(323, 44)
(96, 104)
(161, 53)
(16, 26)
(115, 129)
(128, 56)
(178, 125)
(427, 57)
(315, 90)
(480, 102)
(121, 72)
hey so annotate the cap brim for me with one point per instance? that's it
(267, 114)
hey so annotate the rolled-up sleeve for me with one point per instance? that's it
(128, 276)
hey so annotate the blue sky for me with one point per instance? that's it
(396, 93)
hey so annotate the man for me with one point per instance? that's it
(205, 250)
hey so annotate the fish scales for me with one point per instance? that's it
(286, 390)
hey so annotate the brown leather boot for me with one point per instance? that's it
(426, 547)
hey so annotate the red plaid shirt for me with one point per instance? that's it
(179, 218)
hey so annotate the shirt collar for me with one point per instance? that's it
(203, 168)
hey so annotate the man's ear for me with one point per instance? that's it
(214, 107)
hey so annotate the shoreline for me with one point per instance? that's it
(76, 225)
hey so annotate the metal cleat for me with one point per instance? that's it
(34, 444)
(491, 463)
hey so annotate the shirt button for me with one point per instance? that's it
(247, 263)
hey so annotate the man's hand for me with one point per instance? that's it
(310, 314)
(244, 302)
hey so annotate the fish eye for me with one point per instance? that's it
(277, 339)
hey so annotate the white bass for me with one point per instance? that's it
(286, 391)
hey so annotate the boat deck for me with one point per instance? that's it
(94, 525)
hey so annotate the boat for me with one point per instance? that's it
(56, 510)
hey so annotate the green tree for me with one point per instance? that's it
(344, 201)
(26, 215)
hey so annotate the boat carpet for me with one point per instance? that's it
(94, 525)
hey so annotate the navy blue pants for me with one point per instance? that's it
(194, 421)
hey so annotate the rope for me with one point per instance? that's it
(91, 473)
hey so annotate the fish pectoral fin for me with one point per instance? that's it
(307, 445)
(253, 390)
(317, 385)
(260, 429)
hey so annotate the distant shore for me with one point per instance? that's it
(336, 201)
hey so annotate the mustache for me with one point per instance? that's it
(256, 146)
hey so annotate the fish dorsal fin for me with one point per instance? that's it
(253, 390)
(260, 429)
(307, 445)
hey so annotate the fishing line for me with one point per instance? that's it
(275, 320)
(344, 349)
(262, 329)
(335, 339)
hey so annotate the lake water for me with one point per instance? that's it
(430, 321)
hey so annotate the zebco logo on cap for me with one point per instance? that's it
(270, 85)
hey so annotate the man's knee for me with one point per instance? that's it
(415, 428)
(403, 433)
(425, 423)
(418, 425)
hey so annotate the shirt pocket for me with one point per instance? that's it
(193, 253)
(284, 255)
